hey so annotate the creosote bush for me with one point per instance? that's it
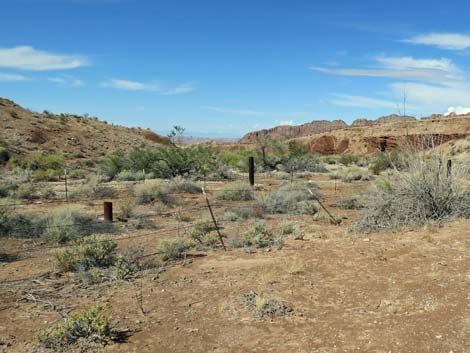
(292, 229)
(292, 198)
(410, 200)
(90, 324)
(236, 192)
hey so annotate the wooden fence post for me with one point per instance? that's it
(66, 188)
(449, 168)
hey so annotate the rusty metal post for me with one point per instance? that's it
(108, 211)
(214, 220)
(251, 170)
(449, 168)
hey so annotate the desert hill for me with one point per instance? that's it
(78, 138)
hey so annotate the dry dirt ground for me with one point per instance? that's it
(402, 292)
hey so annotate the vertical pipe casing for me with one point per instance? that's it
(251, 170)
(108, 211)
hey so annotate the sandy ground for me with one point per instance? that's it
(401, 292)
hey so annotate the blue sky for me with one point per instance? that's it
(229, 67)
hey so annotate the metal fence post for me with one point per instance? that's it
(449, 168)
(251, 170)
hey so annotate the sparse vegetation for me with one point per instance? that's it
(153, 191)
(410, 200)
(260, 235)
(350, 202)
(90, 324)
(292, 198)
(236, 192)
(262, 306)
(175, 249)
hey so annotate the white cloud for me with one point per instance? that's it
(346, 100)
(12, 77)
(28, 58)
(67, 80)
(236, 111)
(150, 87)
(404, 68)
(451, 41)
(457, 110)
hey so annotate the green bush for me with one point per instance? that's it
(175, 249)
(290, 228)
(236, 192)
(16, 225)
(238, 213)
(90, 324)
(87, 253)
(93, 188)
(129, 175)
(291, 198)
(153, 191)
(201, 229)
(261, 235)
(346, 159)
(26, 191)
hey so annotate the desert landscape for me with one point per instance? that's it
(359, 246)
(243, 176)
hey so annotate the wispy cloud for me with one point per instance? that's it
(150, 87)
(346, 100)
(403, 68)
(236, 111)
(450, 41)
(286, 122)
(12, 77)
(28, 58)
(66, 80)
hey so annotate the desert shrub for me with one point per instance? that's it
(93, 188)
(305, 163)
(260, 235)
(112, 165)
(153, 191)
(291, 198)
(263, 306)
(90, 324)
(126, 208)
(383, 161)
(26, 191)
(47, 175)
(353, 174)
(88, 252)
(347, 159)
(238, 213)
(174, 249)
(350, 203)
(236, 192)
(129, 175)
(16, 225)
(47, 193)
(180, 184)
(200, 229)
(69, 224)
(45, 161)
(410, 200)
(290, 228)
